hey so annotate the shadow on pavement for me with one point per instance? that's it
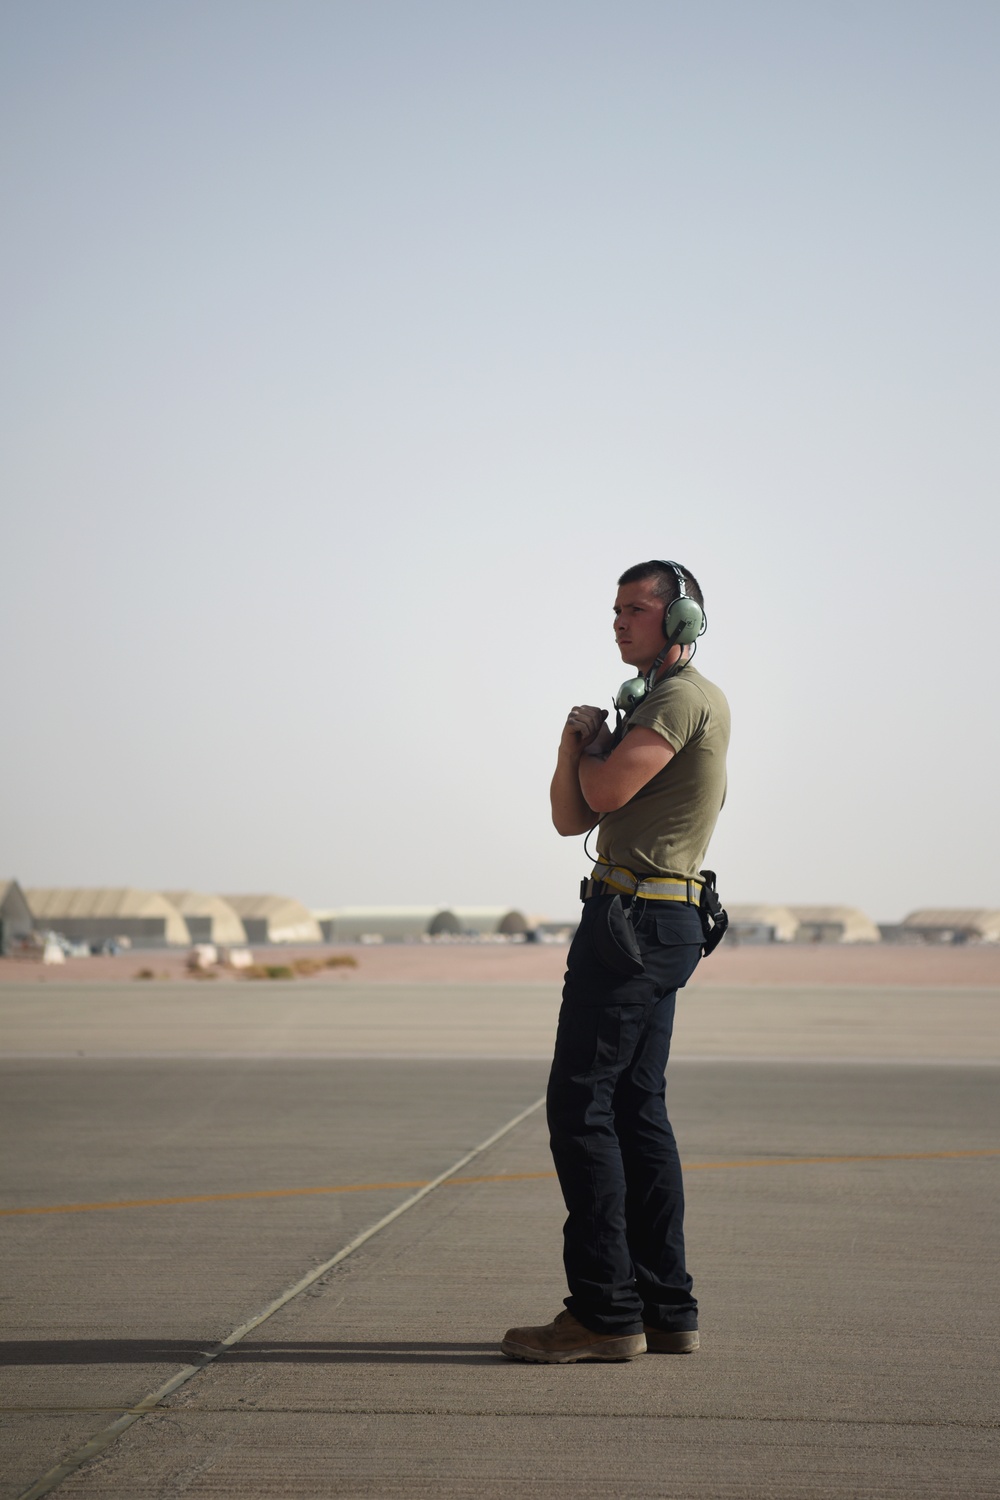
(181, 1352)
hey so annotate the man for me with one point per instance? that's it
(654, 789)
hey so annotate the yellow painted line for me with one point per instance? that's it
(381, 1187)
(761, 1161)
(89, 1208)
(501, 1177)
(824, 1161)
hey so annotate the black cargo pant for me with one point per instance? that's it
(612, 1142)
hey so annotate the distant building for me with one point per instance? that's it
(952, 924)
(545, 931)
(96, 914)
(209, 919)
(325, 916)
(895, 932)
(275, 919)
(387, 924)
(15, 915)
(833, 924)
(488, 921)
(761, 923)
(402, 924)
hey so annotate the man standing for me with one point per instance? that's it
(654, 789)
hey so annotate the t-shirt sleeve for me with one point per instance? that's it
(680, 715)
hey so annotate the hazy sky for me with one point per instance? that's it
(352, 350)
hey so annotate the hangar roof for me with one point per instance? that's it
(288, 921)
(981, 920)
(49, 903)
(226, 925)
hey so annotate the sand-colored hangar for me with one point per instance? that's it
(954, 924)
(759, 922)
(275, 919)
(834, 924)
(96, 913)
(209, 919)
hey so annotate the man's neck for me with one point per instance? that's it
(676, 656)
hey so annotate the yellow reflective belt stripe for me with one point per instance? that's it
(647, 886)
(645, 895)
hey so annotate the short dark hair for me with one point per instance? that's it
(666, 580)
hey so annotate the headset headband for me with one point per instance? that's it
(678, 572)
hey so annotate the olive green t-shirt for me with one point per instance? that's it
(665, 828)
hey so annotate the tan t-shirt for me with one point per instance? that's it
(665, 828)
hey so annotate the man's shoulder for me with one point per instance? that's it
(689, 685)
(683, 709)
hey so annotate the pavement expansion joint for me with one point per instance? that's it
(830, 1285)
(507, 1414)
(154, 1402)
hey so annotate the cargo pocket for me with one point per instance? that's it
(679, 939)
(680, 924)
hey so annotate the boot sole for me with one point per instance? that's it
(684, 1342)
(613, 1351)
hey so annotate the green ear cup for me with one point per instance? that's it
(684, 621)
(630, 694)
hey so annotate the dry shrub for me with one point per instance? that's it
(144, 974)
(308, 966)
(302, 967)
(317, 965)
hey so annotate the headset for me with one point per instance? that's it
(684, 621)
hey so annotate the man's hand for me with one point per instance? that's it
(602, 744)
(583, 726)
(584, 729)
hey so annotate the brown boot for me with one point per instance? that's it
(682, 1341)
(566, 1342)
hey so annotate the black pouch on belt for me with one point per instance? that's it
(714, 917)
(614, 939)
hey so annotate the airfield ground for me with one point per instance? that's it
(186, 1153)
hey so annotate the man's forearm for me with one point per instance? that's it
(570, 811)
(588, 775)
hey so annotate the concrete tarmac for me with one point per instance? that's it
(841, 1225)
(484, 1020)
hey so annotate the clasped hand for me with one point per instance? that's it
(585, 730)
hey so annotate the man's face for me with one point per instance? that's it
(639, 623)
